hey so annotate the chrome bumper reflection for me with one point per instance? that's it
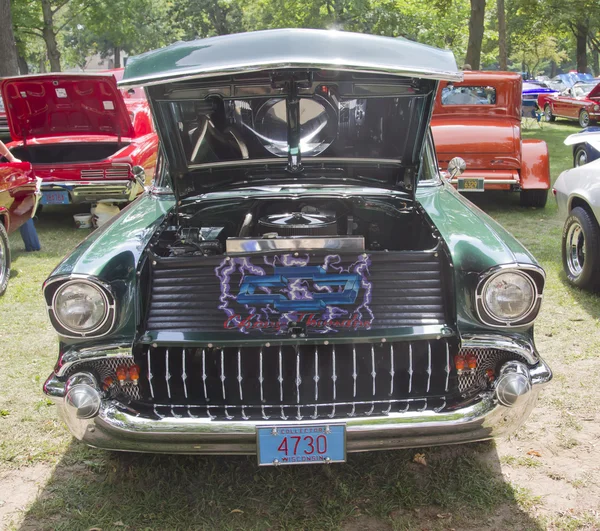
(118, 427)
(117, 191)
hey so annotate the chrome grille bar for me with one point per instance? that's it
(167, 375)
(183, 373)
(204, 374)
(150, 376)
(447, 366)
(280, 378)
(428, 365)
(410, 367)
(334, 379)
(315, 415)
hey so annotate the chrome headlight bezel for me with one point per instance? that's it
(534, 275)
(54, 287)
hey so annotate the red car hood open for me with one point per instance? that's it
(64, 104)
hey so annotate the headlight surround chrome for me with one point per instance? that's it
(509, 296)
(80, 307)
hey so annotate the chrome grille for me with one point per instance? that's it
(297, 382)
(107, 367)
(92, 174)
(117, 172)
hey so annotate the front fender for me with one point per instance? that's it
(112, 254)
(535, 165)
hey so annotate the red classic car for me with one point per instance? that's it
(581, 103)
(81, 136)
(19, 193)
(479, 119)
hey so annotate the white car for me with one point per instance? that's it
(577, 193)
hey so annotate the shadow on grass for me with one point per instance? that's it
(461, 487)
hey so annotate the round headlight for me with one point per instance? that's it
(596, 107)
(80, 307)
(509, 296)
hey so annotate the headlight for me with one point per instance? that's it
(596, 107)
(509, 297)
(80, 307)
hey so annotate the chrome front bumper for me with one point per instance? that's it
(117, 191)
(117, 427)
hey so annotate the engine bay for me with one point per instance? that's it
(209, 228)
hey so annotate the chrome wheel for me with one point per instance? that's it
(584, 118)
(548, 113)
(575, 249)
(581, 157)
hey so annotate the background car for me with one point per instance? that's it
(580, 102)
(19, 194)
(300, 268)
(578, 198)
(586, 145)
(4, 131)
(561, 82)
(81, 138)
(479, 119)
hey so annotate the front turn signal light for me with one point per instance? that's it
(134, 374)
(460, 363)
(122, 374)
(471, 360)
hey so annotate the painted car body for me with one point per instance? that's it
(577, 193)
(216, 349)
(82, 137)
(486, 134)
(19, 196)
(586, 145)
(580, 102)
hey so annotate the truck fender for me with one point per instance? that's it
(535, 165)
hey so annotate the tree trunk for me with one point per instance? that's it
(476, 22)
(502, 53)
(9, 65)
(50, 36)
(596, 62)
(553, 68)
(581, 38)
(117, 57)
(23, 66)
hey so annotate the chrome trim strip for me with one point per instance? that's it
(428, 365)
(487, 181)
(410, 367)
(184, 374)
(167, 373)
(293, 243)
(150, 376)
(496, 341)
(447, 365)
(69, 358)
(204, 376)
(305, 160)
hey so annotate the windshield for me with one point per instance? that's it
(583, 89)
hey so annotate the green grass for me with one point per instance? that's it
(461, 487)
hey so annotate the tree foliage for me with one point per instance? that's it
(540, 34)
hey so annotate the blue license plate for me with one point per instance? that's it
(55, 198)
(301, 445)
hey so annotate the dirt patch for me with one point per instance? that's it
(18, 489)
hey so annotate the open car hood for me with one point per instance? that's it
(292, 106)
(64, 104)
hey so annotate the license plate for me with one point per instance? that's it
(301, 445)
(470, 184)
(55, 198)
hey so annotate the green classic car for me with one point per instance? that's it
(300, 281)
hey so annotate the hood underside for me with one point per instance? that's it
(292, 105)
(65, 104)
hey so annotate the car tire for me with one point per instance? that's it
(581, 249)
(4, 260)
(534, 198)
(581, 155)
(548, 114)
(584, 118)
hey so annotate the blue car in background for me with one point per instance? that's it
(586, 145)
(530, 92)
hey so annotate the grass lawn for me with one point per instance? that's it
(546, 476)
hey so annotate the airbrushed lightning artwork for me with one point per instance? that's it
(286, 292)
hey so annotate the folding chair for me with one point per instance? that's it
(531, 114)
